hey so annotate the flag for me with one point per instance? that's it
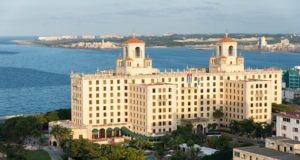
(189, 78)
(198, 80)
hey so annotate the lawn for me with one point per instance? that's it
(38, 155)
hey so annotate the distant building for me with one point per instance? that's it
(276, 148)
(262, 43)
(88, 37)
(288, 125)
(55, 38)
(291, 95)
(168, 34)
(291, 77)
(69, 37)
(50, 38)
(112, 36)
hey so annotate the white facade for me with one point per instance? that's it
(288, 125)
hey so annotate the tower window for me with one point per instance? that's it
(137, 52)
(230, 51)
(220, 51)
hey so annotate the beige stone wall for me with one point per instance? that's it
(246, 99)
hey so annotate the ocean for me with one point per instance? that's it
(36, 79)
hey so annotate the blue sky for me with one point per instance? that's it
(99, 17)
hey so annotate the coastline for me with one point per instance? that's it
(192, 47)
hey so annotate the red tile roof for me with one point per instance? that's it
(295, 115)
(120, 58)
(226, 39)
(223, 57)
(129, 59)
(148, 58)
(240, 57)
(134, 40)
(212, 57)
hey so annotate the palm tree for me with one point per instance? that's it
(165, 139)
(61, 133)
(218, 114)
(234, 126)
(37, 134)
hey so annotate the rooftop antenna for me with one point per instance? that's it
(133, 33)
(226, 32)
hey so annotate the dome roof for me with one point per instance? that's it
(240, 56)
(129, 59)
(223, 57)
(148, 58)
(134, 40)
(212, 57)
(120, 58)
(226, 39)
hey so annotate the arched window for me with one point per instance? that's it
(220, 51)
(137, 52)
(230, 51)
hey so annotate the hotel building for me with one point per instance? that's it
(138, 100)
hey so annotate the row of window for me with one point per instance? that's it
(208, 78)
(105, 121)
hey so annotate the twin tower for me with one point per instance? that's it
(134, 61)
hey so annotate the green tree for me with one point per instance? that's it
(165, 139)
(52, 116)
(247, 126)
(178, 155)
(234, 126)
(113, 152)
(267, 130)
(41, 121)
(277, 108)
(37, 134)
(175, 142)
(133, 154)
(190, 143)
(62, 134)
(218, 114)
(258, 130)
(15, 152)
(212, 126)
(81, 149)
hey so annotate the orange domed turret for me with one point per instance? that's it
(212, 57)
(134, 40)
(240, 56)
(223, 57)
(129, 59)
(226, 39)
(119, 59)
(148, 59)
